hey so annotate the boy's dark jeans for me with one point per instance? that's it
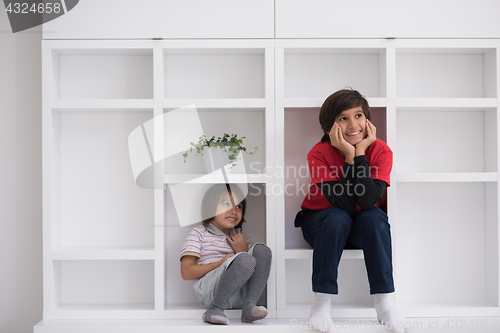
(331, 230)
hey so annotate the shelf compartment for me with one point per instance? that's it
(445, 242)
(437, 141)
(319, 72)
(248, 123)
(145, 253)
(102, 74)
(352, 282)
(103, 285)
(178, 292)
(214, 73)
(446, 73)
(96, 202)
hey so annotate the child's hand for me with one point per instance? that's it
(238, 242)
(227, 256)
(371, 136)
(337, 140)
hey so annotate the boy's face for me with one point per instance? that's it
(353, 124)
(228, 216)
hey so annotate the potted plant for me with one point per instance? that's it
(218, 152)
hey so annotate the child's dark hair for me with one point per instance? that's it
(337, 102)
(214, 195)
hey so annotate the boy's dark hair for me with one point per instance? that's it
(214, 195)
(337, 102)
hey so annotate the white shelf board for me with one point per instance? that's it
(105, 307)
(308, 254)
(195, 311)
(338, 310)
(240, 103)
(317, 102)
(267, 325)
(445, 309)
(146, 311)
(98, 46)
(335, 306)
(445, 103)
(68, 104)
(455, 177)
(210, 46)
(213, 179)
(145, 253)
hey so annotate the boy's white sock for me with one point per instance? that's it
(387, 314)
(320, 313)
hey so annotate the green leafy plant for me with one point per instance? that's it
(232, 142)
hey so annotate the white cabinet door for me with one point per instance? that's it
(94, 19)
(387, 18)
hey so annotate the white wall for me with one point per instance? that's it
(20, 178)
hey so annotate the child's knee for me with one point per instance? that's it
(262, 250)
(336, 220)
(373, 218)
(244, 261)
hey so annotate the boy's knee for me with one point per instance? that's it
(336, 219)
(374, 218)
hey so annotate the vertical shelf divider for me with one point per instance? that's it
(496, 276)
(390, 90)
(494, 250)
(159, 222)
(270, 144)
(279, 63)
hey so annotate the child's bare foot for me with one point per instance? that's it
(252, 313)
(215, 316)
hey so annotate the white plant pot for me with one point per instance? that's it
(216, 158)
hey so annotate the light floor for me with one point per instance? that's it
(419, 325)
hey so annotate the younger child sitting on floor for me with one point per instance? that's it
(229, 272)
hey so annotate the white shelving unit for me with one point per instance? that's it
(111, 248)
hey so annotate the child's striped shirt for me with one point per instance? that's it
(209, 244)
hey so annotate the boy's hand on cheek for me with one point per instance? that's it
(337, 140)
(238, 242)
(371, 136)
